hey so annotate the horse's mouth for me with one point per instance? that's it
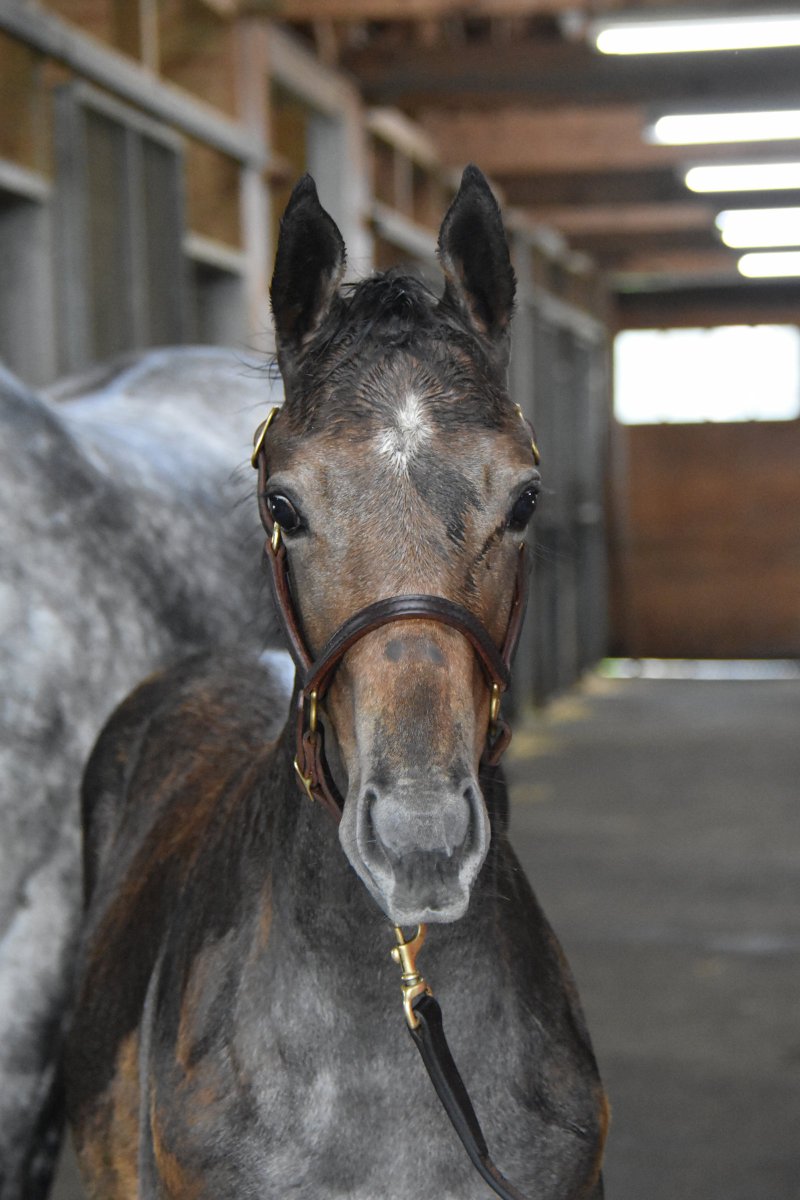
(418, 885)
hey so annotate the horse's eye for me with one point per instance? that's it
(284, 513)
(524, 507)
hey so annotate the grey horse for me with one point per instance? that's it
(124, 546)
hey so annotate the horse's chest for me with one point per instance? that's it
(350, 1126)
(309, 1100)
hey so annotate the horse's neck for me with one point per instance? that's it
(322, 918)
(317, 898)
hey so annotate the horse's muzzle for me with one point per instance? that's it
(419, 845)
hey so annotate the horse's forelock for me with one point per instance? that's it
(378, 324)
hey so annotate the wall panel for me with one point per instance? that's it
(708, 556)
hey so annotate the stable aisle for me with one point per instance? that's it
(659, 823)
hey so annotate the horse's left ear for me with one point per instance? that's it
(309, 264)
(474, 255)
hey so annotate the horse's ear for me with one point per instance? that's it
(474, 255)
(309, 265)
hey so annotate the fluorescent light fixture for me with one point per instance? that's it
(743, 177)
(742, 227)
(770, 265)
(696, 34)
(692, 129)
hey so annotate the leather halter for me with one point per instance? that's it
(315, 674)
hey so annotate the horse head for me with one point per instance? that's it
(399, 466)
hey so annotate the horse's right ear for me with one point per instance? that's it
(309, 265)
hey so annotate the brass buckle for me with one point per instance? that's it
(411, 983)
(261, 433)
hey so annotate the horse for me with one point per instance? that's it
(124, 548)
(235, 1031)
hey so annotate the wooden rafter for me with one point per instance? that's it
(535, 73)
(523, 141)
(635, 219)
(411, 10)
(708, 264)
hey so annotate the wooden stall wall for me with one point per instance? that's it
(707, 550)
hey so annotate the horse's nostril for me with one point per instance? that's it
(370, 796)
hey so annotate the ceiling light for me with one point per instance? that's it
(695, 128)
(741, 227)
(765, 266)
(744, 177)
(696, 34)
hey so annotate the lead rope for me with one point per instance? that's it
(424, 1020)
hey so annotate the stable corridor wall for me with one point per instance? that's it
(706, 541)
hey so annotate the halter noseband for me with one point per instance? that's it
(315, 675)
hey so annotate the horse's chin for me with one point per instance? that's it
(432, 907)
(404, 914)
(417, 892)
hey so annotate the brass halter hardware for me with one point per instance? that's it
(261, 433)
(258, 445)
(308, 780)
(411, 983)
(494, 704)
(537, 458)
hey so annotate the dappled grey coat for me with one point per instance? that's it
(123, 546)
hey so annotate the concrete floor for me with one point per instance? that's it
(659, 822)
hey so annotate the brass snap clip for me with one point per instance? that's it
(411, 983)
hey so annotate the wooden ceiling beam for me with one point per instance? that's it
(412, 10)
(570, 189)
(521, 141)
(618, 188)
(635, 219)
(673, 264)
(540, 74)
(612, 246)
(747, 303)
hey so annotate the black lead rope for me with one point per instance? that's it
(424, 1020)
(429, 1039)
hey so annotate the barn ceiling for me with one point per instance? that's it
(517, 86)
